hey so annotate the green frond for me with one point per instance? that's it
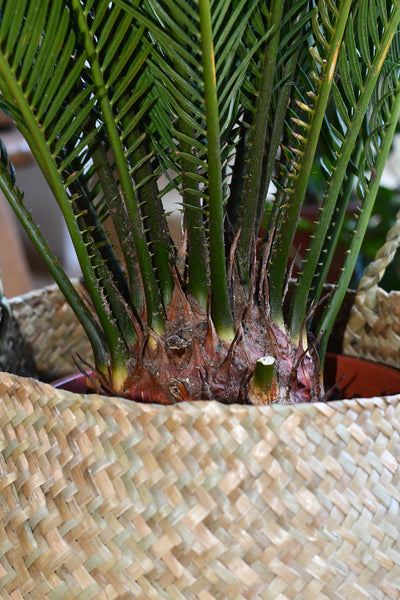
(326, 47)
(225, 101)
(108, 106)
(22, 103)
(187, 83)
(89, 323)
(360, 117)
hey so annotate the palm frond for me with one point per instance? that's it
(110, 100)
(195, 146)
(61, 120)
(15, 197)
(44, 117)
(361, 111)
(226, 99)
(381, 122)
(308, 111)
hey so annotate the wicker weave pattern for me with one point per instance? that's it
(106, 499)
(373, 329)
(43, 332)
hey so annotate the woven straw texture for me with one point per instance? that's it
(43, 332)
(373, 329)
(108, 499)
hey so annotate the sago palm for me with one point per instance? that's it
(227, 102)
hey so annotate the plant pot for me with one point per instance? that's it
(357, 377)
(107, 498)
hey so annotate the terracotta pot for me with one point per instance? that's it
(352, 377)
(357, 377)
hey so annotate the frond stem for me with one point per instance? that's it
(220, 306)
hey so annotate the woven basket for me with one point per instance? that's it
(42, 334)
(373, 328)
(106, 499)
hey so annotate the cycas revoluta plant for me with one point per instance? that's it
(228, 100)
